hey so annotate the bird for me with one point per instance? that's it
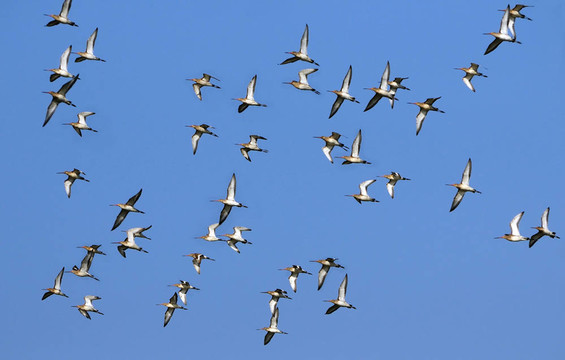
(463, 187)
(229, 201)
(424, 108)
(211, 236)
(469, 73)
(354, 157)
(513, 15)
(84, 266)
(251, 146)
(514, 231)
(275, 296)
(303, 53)
(382, 90)
(197, 259)
(506, 23)
(543, 229)
(302, 83)
(331, 141)
(295, 270)
(184, 286)
(63, 17)
(249, 100)
(92, 249)
(171, 306)
(342, 94)
(363, 195)
(59, 97)
(138, 232)
(273, 327)
(56, 289)
(394, 86)
(81, 124)
(73, 175)
(128, 243)
(340, 301)
(327, 263)
(393, 178)
(204, 81)
(126, 209)
(88, 307)
(62, 70)
(237, 237)
(89, 53)
(199, 130)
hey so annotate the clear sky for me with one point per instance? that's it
(427, 283)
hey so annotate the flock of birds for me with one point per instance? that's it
(386, 89)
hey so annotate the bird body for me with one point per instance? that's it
(126, 209)
(340, 301)
(326, 263)
(73, 175)
(424, 108)
(295, 270)
(62, 70)
(249, 99)
(85, 264)
(171, 307)
(56, 289)
(543, 230)
(229, 201)
(302, 83)
(87, 306)
(331, 141)
(204, 81)
(81, 123)
(514, 231)
(302, 54)
(343, 93)
(355, 148)
(252, 146)
(363, 195)
(197, 259)
(63, 17)
(129, 243)
(237, 237)
(463, 187)
(393, 178)
(88, 54)
(199, 131)
(469, 73)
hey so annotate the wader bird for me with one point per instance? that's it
(393, 178)
(199, 130)
(229, 201)
(363, 195)
(342, 94)
(303, 53)
(237, 237)
(424, 108)
(171, 306)
(81, 124)
(184, 286)
(92, 249)
(514, 14)
(128, 243)
(73, 175)
(138, 232)
(463, 187)
(295, 270)
(354, 157)
(56, 289)
(543, 229)
(59, 97)
(302, 83)
(63, 64)
(126, 209)
(469, 73)
(331, 141)
(326, 263)
(506, 23)
(251, 146)
(382, 90)
(275, 296)
(204, 81)
(63, 17)
(514, 231)
(394, 86)
(340, 302)
(249, 100)
(273, 327)
(88, 307)
(84, 266)
(197, 259)
(89, 53)
(211, 236)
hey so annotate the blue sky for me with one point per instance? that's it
(427, 283)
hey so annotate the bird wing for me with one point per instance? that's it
(304, 42)
(50, 111)
(65, 58)
(67, 86)
(132, 200)
(467, 80)
(78, 131)
(68, 184)
(384, 78)
(356, 146)
(196, 262)
(46, 295)
(535, 238)
(303, 74)
(504, 21)
(242, 107)
(233, 244)
(268, 336)
(493, 45)
(474, 66)
(122, 250)
(431, 101)
(212, 229)
(120, 218)
(322, 275)
(65, 8)
(335, 135)
(457, 199)
(292, 279)
(173, 299)
(327, 150)
(84, 313)
(346, 81)
(58, 279)
(231, 188)
(374, 100)
(390, 187)
(86, 261)
(168, 315)
(289, 60)
(273, 304)
(511, 22)
(275, 319)
(544, 219)
(332, 308)
(224, 213)
(245, 153)
(363, 186)
(90, 42)
(196, 88)
(251, 88)
(515, 223)
(420, 119)
(182, 294)
(342, 289)
(195, 139)
(335, 107)
(467, 173)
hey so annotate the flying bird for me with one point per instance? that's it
(303, 53)
(59, 97)
(275, 296)
(81, 123)
(424, 108)
(128, 243)
(211, 236)
(295, 270)
(249, 100)
(62, 70)
(382, 90)
(363, 195)
(126, 209)
(354, 157)
(393, 178)
(463, 187)
(73, 175)
(342, 94)
(302, 83)
(331, 141)
(199, 130)
(138, 232)
(326, 263)
(394, 86)
(63, 17)
(56, 289)
(84, 266)
(543, 229)
(229, 201)
(171, 306)
(514, 14)
(204, 81)
(92, 248)
(184, 286)
(469, 73)
(514, 231)
(237, 237)
(89, 53)
(251, 146)
(502, 35)
(340, 302)
(197, 259)
(88, 307)
(273, 327)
